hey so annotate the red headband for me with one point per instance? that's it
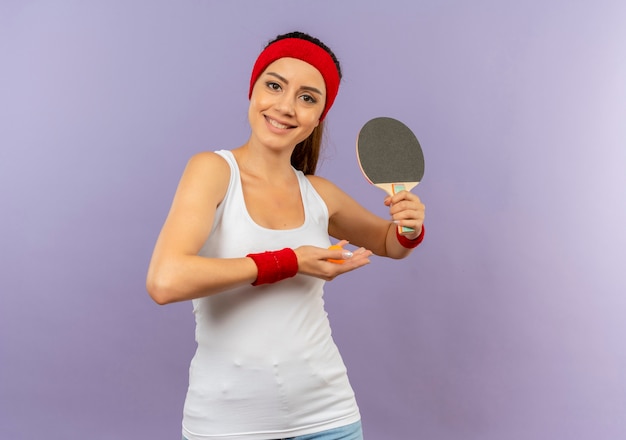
(306, 51)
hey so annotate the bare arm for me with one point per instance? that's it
(176, 272)
(351, 221)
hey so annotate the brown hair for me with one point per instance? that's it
(306, 154)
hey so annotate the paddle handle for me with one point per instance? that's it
(396, 188)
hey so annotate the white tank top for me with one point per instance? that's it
(266, 366)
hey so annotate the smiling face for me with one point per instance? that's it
(286, 103)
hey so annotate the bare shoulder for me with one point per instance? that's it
(322, 185)
(332, 195)
(208, 160)
(207, 175)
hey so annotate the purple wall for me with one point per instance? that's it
(508, 323)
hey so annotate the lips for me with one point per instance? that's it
(275, 123)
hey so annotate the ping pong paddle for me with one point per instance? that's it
(390, 157)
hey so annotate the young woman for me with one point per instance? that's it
(247, 240)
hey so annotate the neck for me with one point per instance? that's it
(263, 163)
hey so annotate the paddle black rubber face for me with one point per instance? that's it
(389, 152)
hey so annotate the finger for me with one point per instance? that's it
(404, 195)
(407, 205)
(358, 255)
(358, 260)
(408, 216)
(339, 254)
(415, 225)
(361, 253)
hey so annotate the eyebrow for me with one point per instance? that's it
(308, 88)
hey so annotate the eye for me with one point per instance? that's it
(273, 86)
(308, 99)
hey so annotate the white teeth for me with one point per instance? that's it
(277, 124)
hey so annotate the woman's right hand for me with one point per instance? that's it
(313, 260)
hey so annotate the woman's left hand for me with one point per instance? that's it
(406, 209)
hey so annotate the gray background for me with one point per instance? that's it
(507, 323)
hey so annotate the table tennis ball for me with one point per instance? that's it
(333, 248)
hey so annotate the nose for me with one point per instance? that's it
(285, 104)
